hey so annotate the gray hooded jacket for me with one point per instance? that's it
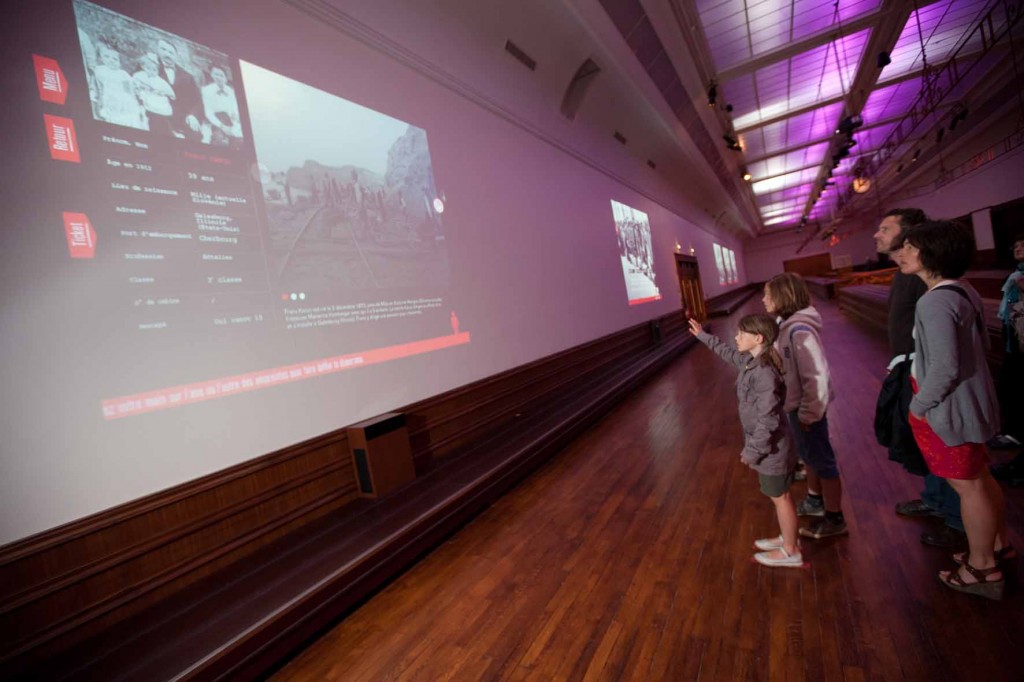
(767, 440)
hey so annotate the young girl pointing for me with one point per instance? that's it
(767, 440)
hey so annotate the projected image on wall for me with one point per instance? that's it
(144, 78)
(633, 230)
(350, 192)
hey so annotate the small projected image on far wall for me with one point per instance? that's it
(633, 230)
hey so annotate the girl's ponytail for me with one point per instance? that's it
(774, 359)
(768, 328)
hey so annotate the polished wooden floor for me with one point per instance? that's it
(627, 557)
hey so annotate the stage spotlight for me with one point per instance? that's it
(732, 143)
(712, 94)
(884, 60)
(849, 124)
(959, 114)
(849, 143)
(728, 108)
(917, 153)
(746, 175)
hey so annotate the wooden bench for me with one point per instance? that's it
(823, 287)
(869, 305)
(727, 303)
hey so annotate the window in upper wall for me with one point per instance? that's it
(719, 264)
(725, 263)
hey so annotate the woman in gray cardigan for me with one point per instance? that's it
(954, 409)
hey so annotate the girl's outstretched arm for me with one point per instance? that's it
(722, 350)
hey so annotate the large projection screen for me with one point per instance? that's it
(228, 236)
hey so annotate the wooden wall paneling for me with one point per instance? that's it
(512, 402)
(136, 519)
(809, 266)
(438, 428)
(179, 518)
(129, 562)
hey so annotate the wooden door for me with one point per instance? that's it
(690, 288)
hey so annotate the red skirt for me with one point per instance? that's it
(962, 462)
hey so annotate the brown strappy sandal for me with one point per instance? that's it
(1002, 555)
(990, 589)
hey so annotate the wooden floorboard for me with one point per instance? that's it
(627, 557)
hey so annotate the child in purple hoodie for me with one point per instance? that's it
(808, 394)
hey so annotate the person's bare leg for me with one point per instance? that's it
(785, 511)
(995, 494)
(981, 521)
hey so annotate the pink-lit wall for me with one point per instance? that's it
(996, 182)
(765, 255)
(529, 232)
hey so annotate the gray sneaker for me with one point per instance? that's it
(810, 506)
(823, 528)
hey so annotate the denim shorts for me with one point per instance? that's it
(814, 447)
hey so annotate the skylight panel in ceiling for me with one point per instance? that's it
(817, 75)
(811, 16)
(786, 163)
(796, 131)
(943, 26)
(780, 182)
(738, 30)
(793, 198)
(782, 220)
(891, 101)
